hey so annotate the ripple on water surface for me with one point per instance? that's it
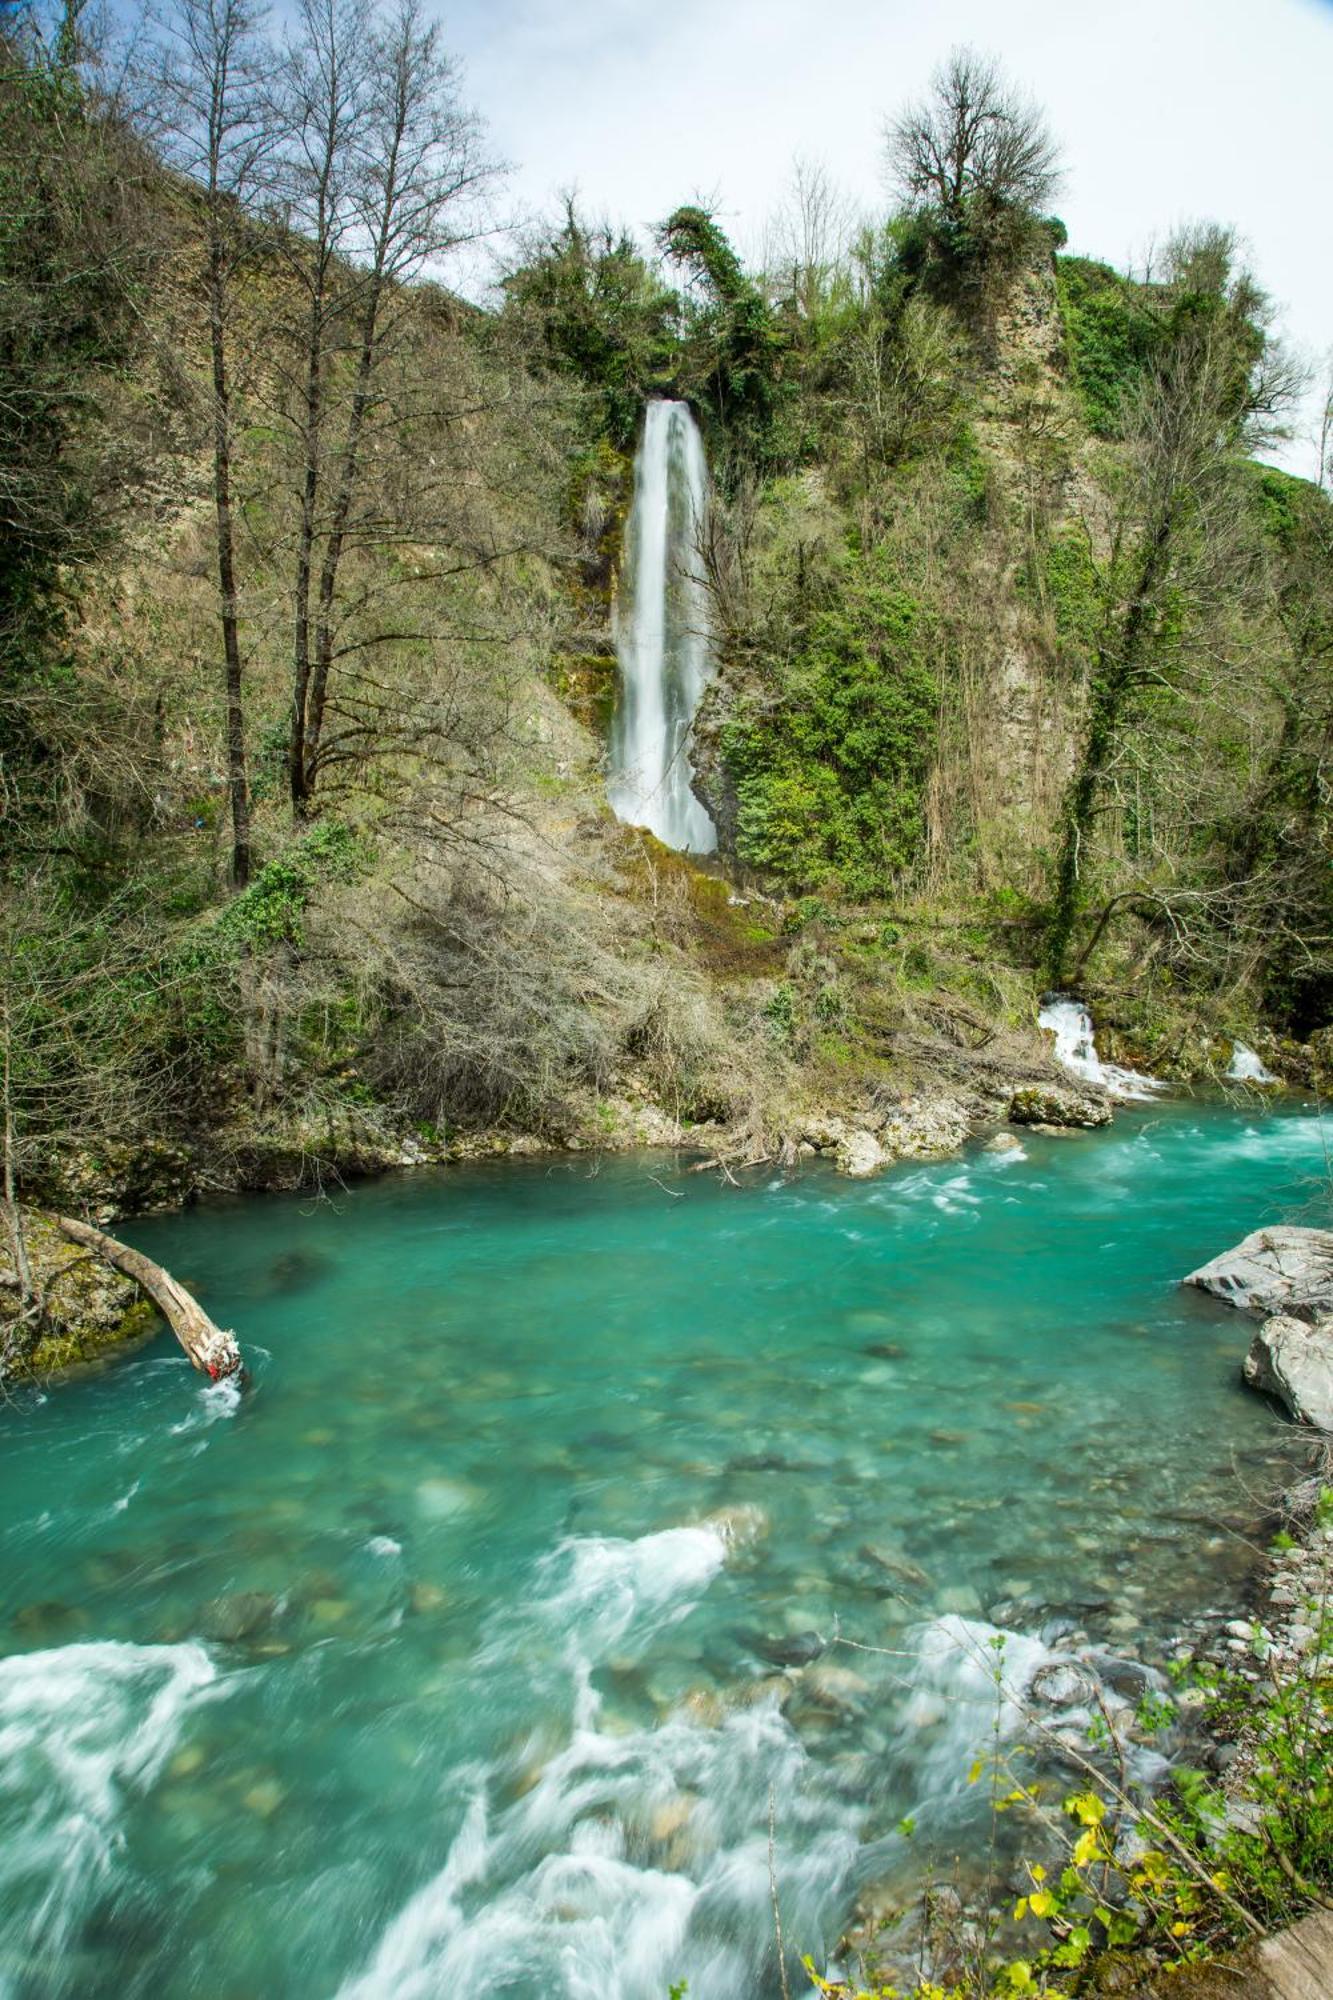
(468, 1648)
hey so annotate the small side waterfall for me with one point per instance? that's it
(662, 640)
(1247, 1067)
(1076, 1050)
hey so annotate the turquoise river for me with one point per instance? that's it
(599, 1547)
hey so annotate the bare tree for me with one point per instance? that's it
(421, 166)
(806, 242)
(324, 108)
(976, 160)
(210, 75)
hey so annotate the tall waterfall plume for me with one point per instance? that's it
(662, 635)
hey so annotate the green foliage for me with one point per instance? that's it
(737, 339)
(829, 770)
(967, 462)
(1111, 334)
(1072, 588)
(74, 253)
(270, 911)
(595, 309)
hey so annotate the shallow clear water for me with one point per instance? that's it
(464, 1652)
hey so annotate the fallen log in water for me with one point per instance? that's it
(211, 1348)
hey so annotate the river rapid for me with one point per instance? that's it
(581, 1520)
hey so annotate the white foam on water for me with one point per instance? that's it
(1246, 1066)
(82, 1728)
(1076, 1050)
(632, 1862)
(955, 1195)
(214, 1403)
(976, 1687)
(631, 1858)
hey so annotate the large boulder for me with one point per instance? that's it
(860, 1155)
(1293, 1361)
(1280, 1270)
(925, 1128)
(1047, 1104)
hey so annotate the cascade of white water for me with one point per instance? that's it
(662, 640)
(1075, 1049)
(1247, 1067)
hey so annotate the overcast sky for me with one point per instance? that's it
(1167, 111)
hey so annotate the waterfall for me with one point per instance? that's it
(1246, 1066)
(662, 640)
(1076, 1049)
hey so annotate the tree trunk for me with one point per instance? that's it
(349, 472)
(237, 781)
(1115, 676)
(212, 1349)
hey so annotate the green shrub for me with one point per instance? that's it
(1109, 336)
(829, 776)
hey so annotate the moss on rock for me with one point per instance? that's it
(88, 1309)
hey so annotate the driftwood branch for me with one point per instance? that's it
(212, 1349)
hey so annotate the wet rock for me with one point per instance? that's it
(1293, 1361)
(1283, 1270)
(961, 1600)
(241, 1614)
(49, 1621)
(426, 1598)
(770, 1461)
(671, 1816)
(740, 1526)
(798, 1651)
(1003, 1142)
(836, 1689)
(895, 1562)
(1047, 1104)
(1062, 1683)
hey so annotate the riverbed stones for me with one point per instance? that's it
(895, 1563)
(1293, 1361)
(797, 1651)
(241, 1614)
(1280, 1270)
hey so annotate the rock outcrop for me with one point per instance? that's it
(860, 1155)
(1280, 1270)
(1292, 1360)
(1044, 1104)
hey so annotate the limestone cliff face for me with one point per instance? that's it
(966, 528)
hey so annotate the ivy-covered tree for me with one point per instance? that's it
(592, 306)
(738, 338)
(1213, 388)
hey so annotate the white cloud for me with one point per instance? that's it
(1168, 110)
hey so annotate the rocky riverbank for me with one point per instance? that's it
(79, 1309)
